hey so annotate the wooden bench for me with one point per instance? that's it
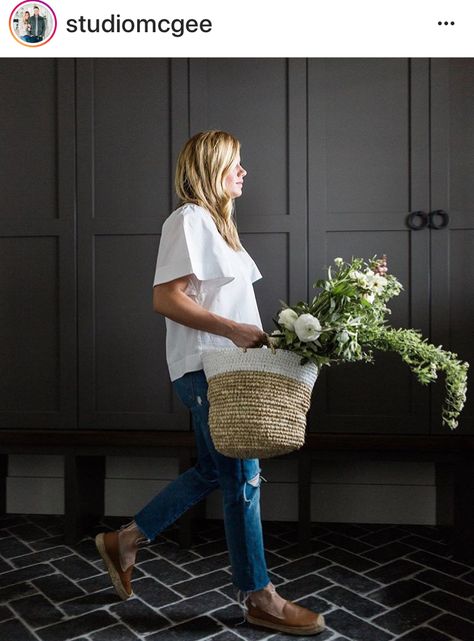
(84, 453)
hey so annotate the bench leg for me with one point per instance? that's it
(464, 511)
(3, 482)
(304, 500)
(84, 478)
(455, 505)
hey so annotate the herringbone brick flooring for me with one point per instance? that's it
(372, 582)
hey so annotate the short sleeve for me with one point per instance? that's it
(253, 269)
(191, 244)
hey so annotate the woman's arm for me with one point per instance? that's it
(170, 300)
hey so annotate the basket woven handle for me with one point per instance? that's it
(268, 342)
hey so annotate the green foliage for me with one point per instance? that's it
(351, 308)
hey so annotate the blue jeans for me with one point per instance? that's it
(239, 480)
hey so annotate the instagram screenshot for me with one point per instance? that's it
(236, 321)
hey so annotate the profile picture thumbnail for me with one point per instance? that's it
(33, 23)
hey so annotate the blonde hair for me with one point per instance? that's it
(201, 169)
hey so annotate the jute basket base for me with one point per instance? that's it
(257, 414)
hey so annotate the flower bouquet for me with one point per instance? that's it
(347, 320)
(259, 398)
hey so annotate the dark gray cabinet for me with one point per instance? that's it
(338, 152)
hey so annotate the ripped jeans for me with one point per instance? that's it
(239, 480)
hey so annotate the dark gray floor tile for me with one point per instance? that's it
(303, 586)
(354, 530)
(87, 549)
(454, 626)
(424, 634)
(428, 545)
(9, 520)
(296, 551)
(351, 601)
(349, 579)
(25, 574)
(11, 546)
(57, 587)
(28, 532)
(154, 593)
(164, 571)
(383, 537)
(348, 559)
(36, 611)
(5, 613)
(345, 542)
(16, 592)
(209, 549)
(355, 628)
(202, 584)
(405, 617)
(39, 557)
(447, 583)
(14, 630)
(399, 592)
(193, 630)
(226, 636)
(115, 633)
(305, 565)
(77, 626)
(75, 568)
(96, 583)
(5, 566)
(394, 571)
(438, 563)
(389, 552)
(426, 531)
(195, 606)
(139, 617)
(469, 577)
(89, 602)
(49, 542)
(172, 552)
(451, 604)
(208, 564)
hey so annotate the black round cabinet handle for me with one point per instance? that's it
(417, 220)
(441, 216)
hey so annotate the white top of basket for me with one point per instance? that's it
(259, 359)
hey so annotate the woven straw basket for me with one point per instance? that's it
(258, 400)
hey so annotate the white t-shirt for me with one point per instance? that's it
(221, 282)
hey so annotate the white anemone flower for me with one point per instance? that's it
(307, 328)
(287, 318)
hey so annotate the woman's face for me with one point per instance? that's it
(234, 179)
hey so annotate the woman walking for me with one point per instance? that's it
(203, 286)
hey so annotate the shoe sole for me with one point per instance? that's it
(313, 629)
(113, 574)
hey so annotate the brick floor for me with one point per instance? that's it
(372, 583)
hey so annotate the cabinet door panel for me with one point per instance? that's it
(37, 248)
(452, 248)
(366, 119)
(126, 144)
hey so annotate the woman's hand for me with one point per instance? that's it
(244, 335)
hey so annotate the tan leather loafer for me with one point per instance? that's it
(295, 619)
(108, 546)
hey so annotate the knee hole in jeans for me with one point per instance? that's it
(254, 483)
